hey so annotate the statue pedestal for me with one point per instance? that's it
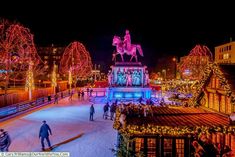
(128, 93)
(122, 88)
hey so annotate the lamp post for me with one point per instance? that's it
(174, 59)
(164, 73)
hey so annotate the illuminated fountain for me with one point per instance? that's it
(127, 79)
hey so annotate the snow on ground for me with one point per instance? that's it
(67, 119)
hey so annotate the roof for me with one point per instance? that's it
(168, 120)
(180, 116)
(226, 76)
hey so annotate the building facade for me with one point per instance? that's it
(51, 55)
(216, 90)
(225, 53)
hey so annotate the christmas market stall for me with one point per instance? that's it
(145, 130)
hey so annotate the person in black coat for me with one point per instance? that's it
(112, 110)
(92, 111)
(44, 134)
(5, 141)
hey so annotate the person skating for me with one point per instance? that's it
(5, 141)
(92, 111)
(44, 134)
(112, 110)
(106, 109)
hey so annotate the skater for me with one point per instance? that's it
(56, 99)
(44, 134)
(71, 96)
(92, 111)
(82, 95)
(106, 109)
(5, 141)
(79, 94)
(112, 110)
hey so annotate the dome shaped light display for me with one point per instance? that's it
(76, 62)
(192, 66)
(18, 53)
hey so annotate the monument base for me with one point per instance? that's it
(128, 93)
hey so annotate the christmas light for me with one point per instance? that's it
(70, 79)
(76, 61)
(16, 50)
(29, 84)
(53, 78)
(193, 65)
(152, 129)
(211, 68)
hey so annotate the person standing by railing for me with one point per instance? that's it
(56, 98)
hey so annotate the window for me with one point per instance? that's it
(54, 50)
(217, 83)
(139, 145)
(179, 147)
(226, 56)
(151, 147)
(213, 83)
(168, 147)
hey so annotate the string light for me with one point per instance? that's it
(76, 60)
(53, 77)
(16, 50)
(193, 64)
(152, 129)
(211, 68)
(29, 84)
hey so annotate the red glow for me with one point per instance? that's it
(17, 49)
(76, 58)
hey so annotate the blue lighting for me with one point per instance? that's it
(128, 95)
(138, 94)
(118, 95)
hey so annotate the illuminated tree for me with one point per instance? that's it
(29, 83)
(192, 66)
(53, 78)
(17, 49)
(77, 61)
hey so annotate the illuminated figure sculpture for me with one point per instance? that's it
(127, 41)
(119, 78)
(146, 78)
(125, 46)
(110, 78)
(128, 79)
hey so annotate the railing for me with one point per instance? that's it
(24, 106)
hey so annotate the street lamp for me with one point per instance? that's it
(174, 59)
(164, 73)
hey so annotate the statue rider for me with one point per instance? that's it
(127, 41)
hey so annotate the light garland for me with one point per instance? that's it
(209, 70)
(151, 129)
(29, 84)
(76, 59)
(53, 77)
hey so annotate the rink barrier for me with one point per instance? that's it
(20, 108)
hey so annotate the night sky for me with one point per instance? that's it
(161, 29)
